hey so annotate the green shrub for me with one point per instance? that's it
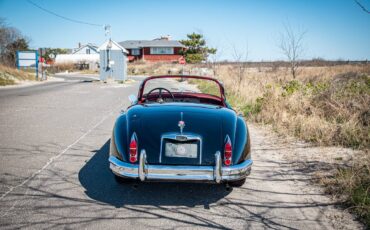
(291, 87)
(253, 108)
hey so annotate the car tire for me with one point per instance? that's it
(237, 183)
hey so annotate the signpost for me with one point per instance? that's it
(182, 61)
(28, 59)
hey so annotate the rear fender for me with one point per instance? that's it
(242, 141)
(120, 136)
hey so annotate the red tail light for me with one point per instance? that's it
(228, 152)
(133, 149)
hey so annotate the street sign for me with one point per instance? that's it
(27, 59)
(182, 61)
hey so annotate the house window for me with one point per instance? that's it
(161, 50)
(135, 52)
(87, 51)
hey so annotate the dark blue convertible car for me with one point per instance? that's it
(172, 132)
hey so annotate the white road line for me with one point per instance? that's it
(57, 156)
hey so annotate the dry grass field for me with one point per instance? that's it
(325, 105)
(57, 68)
(69, 67)
(10, 76)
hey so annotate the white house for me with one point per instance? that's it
(85, 56)
(86, 49)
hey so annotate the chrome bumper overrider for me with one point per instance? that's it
(215, 173)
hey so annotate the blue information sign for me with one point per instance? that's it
(28, 59)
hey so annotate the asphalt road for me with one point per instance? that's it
(54, 173)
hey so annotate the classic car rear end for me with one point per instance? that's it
(164, 137)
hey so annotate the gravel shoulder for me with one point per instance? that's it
(290, 167)
(23, 84)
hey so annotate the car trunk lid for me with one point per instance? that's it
(159, 127)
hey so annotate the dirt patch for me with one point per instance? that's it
(303, 166)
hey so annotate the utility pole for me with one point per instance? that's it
(109, 46)
(107, 31)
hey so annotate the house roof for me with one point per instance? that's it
(132, 44)
(91, 46)
(113, 46)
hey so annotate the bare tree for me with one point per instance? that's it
(241, 61)
(214, 60)
(11, 40)
(9, 49)
(291, 44)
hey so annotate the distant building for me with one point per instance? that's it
(86, 49)
(158, 50)
(83, 57)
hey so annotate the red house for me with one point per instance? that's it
(158, 50)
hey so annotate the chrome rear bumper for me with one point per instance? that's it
(215, 173)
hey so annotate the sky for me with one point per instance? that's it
(334, 29)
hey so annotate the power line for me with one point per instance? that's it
(63, 17)
(362, 7)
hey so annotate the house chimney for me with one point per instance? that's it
(167, 37)
(79, 45)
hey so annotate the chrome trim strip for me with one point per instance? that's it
(215, 173)
(160, 150)
(142, 164)
(189, 137)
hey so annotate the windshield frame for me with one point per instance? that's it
(221, 87)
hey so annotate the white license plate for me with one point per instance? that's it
(188, 150)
